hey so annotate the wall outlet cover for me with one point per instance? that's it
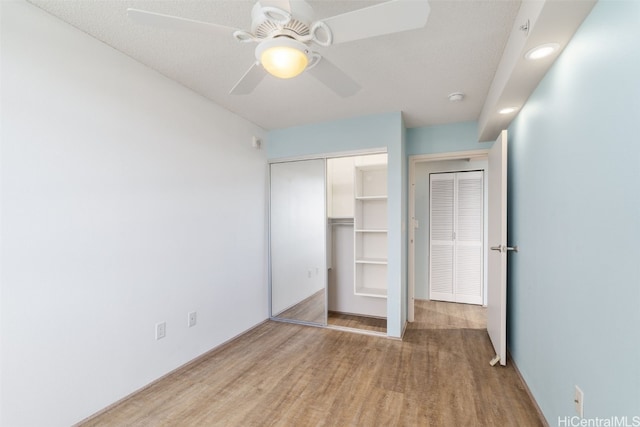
(192, 319)
(161, 330)
(578, 401)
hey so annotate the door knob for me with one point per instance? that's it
(503, 248)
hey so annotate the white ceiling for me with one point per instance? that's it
(458, 50)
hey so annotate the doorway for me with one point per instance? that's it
(421, 168)
(496, 237)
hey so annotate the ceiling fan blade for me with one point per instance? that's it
(249, 81)
(160, 20)
(384, 18)
(334, 78)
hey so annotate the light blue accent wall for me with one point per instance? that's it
(444, 139)
(362, 133)
(397, 261)
(574, 211)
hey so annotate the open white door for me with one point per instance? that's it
(497, 241)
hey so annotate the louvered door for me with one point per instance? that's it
(441, 230)
(456, 236)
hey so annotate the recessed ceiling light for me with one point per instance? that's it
(542, 51)
(507, 110)
(456, 96)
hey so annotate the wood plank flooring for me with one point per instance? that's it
(282, 374)
(312, 310)
(357, 322)
(446, 315)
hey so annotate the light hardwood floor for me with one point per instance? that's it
(283, 374)
(366, 323)
(313, 310)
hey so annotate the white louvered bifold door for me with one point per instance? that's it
(468, 242)
(457, 212)
(441, 227)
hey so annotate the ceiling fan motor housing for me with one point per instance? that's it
(268, 22)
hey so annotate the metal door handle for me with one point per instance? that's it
(503, 248)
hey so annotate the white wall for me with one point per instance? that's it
(126, 200)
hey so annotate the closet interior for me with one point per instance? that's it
(357, 218)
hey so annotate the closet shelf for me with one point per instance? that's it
(370, 230)
(380, 261)
(371, 292)
(371, 198)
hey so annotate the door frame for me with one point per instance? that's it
(413, 161)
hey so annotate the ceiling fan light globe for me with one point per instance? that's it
(283, 57)
(283, 61)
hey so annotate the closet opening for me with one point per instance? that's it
(328, 242)
(357, 218)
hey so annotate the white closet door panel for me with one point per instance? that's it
(468, 274)
(441, 269)
(469, 215)
(456, 244)
(442, 205)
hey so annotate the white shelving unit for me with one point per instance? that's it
(370, 230)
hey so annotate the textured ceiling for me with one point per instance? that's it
(458, 50)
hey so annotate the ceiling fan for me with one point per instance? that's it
(285, 30)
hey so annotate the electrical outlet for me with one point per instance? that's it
(161, 330)
(578, 402)
(192, 318)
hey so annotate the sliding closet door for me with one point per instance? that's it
(456, 261)
(298, 235)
